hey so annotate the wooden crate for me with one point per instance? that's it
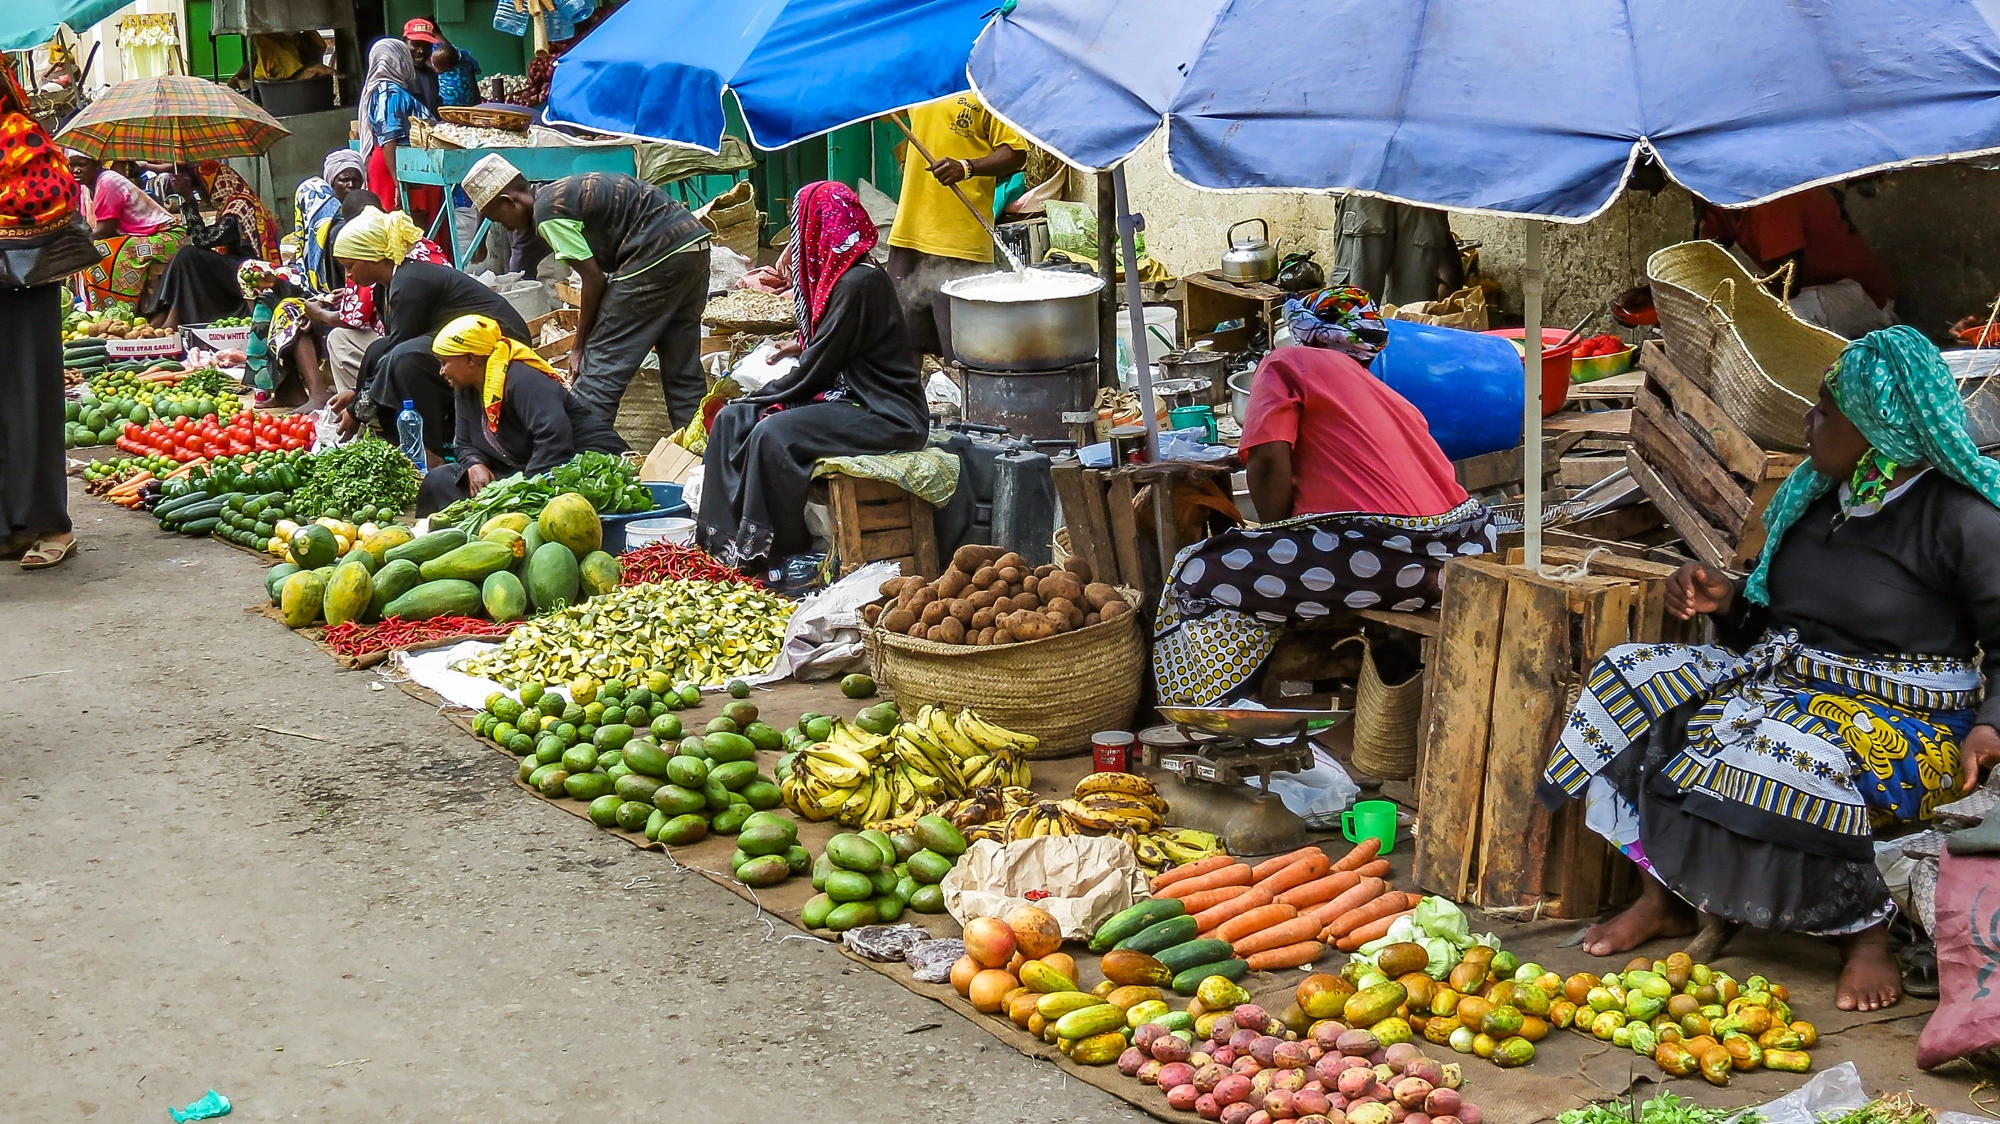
(1707, 477)
(1511, 655)
(1208, 300)
(876, 521)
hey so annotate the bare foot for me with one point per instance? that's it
(1657, 913)
(1869, 978)
(313, 404)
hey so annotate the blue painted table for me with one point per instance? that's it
(446, 168)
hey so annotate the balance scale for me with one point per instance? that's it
(1212, 753)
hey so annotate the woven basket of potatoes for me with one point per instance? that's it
(1043, 650)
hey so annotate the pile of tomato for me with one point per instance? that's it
(1599, 345)
(249, 431)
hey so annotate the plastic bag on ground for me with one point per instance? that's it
(883, 943)
(1831, 1092)
(825, 637)
(932, 960)
(1319, 794)
(326, 431)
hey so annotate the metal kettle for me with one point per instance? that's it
(1252, 259)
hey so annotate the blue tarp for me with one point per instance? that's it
(799, 68)
(1516, 107)
(31, 23)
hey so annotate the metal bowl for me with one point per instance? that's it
(1250, 722)
(1023, 335)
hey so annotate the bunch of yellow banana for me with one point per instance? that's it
(858, 778)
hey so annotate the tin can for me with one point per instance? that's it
(1128, 443)
(1111, 751)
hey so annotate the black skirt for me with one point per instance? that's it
(200, 285)
(34, 495)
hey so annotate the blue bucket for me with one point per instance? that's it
(666, 501)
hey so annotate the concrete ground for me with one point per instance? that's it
(371, 922)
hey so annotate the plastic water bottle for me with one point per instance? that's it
(410, 434)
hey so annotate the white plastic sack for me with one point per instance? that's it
(433, 669)
(1087, 877)
(940, 391)
(725, 268)
(1842, 307)
(762, 366)
(326, 431)
(691, 488)
(824, 638)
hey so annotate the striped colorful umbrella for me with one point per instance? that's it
(171, 118)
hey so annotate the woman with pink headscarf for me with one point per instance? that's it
(857, 389)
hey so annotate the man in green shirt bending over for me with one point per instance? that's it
(643, 261)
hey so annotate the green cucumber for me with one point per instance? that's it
(1160, 935)
(1129, 921)
(1187, 954)
(1189, 981)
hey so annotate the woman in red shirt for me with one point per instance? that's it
(1359, 508)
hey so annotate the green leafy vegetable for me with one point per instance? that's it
(610, 483)
(1663, 1109)
(362, 480)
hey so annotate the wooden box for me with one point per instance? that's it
(876, 521)
(1703, 472)
(1208, 300)
(1512, 652)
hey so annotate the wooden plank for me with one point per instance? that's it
(923, 537)
(1714, 428)
(1475, 599)
(1751, 544)
(846, 523)
(1583, 471)
(1527, 702)
(1659, 434)
(1602, 424)
(883, 516)
(1704, 540)
(1081, 498)
(1607, 390)
(867, 490)
(886, 544)
(1424, 622)
(1489, 471)
(1118, 503)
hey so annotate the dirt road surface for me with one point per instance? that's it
(371, 923)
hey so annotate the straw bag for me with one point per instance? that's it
(1061, 689)
(1385, 718)
(1725, 331)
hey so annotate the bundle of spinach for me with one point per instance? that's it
(1663, 1109)
(368, 478)
(609, 482)
(525, 494)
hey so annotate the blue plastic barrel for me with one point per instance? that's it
(1467, 386)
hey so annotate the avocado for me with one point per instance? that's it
(762, 795)
(604, 811)
(857, 686)
(677, 801)
(906, 845)
(847, 886)
(720, 724)
(688, 772)
(741, 712)
(738, 689)
(633, 814)
(937, 834)
(763, 736)
(883, 844)
(798, 859)
(820, 728)
(883, 879)
(928, 899)
(667, 728)
(929, 867)
(762, 839)
(678, 831)
(654, 822)
(723, 746)
(851, 852)
(888, 907)
(822, 866)
(813, 916)
(730, 820)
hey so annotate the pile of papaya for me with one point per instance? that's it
(514, 567)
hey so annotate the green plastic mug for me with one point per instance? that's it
(1370, 819)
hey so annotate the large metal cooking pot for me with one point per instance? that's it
(1043, 334)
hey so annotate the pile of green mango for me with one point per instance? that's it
(870, 877)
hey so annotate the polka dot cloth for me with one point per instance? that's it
(1232, 595)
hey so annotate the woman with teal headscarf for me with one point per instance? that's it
(1749, 781)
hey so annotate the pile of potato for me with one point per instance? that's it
(989, 596)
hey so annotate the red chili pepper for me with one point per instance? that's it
(396, 634)
(661, 561)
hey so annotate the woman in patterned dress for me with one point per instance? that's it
(1750, 780)
(1359, 508)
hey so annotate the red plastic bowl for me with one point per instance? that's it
(1555, 363)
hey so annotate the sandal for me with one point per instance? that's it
(1916, 955)
(45, 553)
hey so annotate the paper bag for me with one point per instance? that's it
(1464, 309)
(1086, 880)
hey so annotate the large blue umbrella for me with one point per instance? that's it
(1531, 109)
(1518, 108)
(31, 23)
(798, 68)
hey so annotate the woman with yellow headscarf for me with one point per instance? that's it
(514, 413)
(416, 299)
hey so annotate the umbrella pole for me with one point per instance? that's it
(1107, 268)
(1531, 400)
(1129, 226)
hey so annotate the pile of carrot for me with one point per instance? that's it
(1283, 912)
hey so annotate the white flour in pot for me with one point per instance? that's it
(1029, 285)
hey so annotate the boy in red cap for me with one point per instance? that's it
(421, 35)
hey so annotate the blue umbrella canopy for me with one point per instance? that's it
(798, 68)
(31, 23)
(1528, 109)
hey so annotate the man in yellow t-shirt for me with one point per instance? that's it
(936, 239)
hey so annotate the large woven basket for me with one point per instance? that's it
(1385, 718)
(1061, 689)
(1727, 332)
